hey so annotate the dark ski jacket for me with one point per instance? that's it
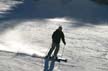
(57, 36)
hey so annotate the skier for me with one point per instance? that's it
(57, 36)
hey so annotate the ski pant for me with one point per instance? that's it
(55, 47)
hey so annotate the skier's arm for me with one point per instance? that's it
(53, 35)
(63, 38)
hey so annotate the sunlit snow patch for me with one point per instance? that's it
(3, 7)
(6, 6)
(59, 20)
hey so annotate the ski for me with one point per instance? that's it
(58, 59)
(51, 59)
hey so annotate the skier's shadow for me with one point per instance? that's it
(49, 65)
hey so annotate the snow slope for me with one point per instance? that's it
(11, 62)
(86, 46)
(23, 31)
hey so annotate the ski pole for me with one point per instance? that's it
(63, 51)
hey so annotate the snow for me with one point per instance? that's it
(12, 62)
(29, 32)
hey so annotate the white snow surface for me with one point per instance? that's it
(86, 48)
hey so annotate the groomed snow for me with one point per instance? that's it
(86, 49)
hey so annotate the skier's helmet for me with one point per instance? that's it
(60, 28)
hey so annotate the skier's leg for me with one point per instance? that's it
(56, 50)
(51, 50)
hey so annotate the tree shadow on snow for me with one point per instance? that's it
(40, 9)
